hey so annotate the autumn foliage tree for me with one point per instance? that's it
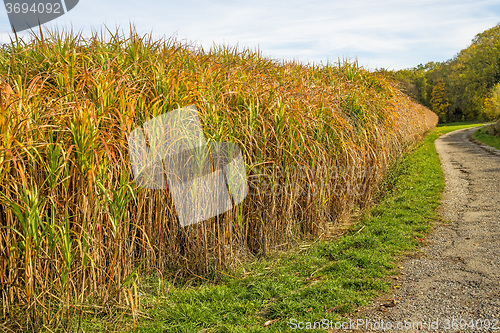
(439, 100)
(463, 88)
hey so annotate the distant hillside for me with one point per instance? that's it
(466, 87)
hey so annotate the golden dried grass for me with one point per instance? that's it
(316, 140)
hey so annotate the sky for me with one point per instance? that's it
(391, 34)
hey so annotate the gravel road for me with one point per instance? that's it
(456, 279)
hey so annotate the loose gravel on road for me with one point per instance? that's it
(455, 282)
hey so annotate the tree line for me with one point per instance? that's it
(466, 87)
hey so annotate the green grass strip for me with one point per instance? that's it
(485, 137)
(319, 281)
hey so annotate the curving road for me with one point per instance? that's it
(458, 275)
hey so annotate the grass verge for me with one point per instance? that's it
(463, 124)
(485, 137)
(318, 281)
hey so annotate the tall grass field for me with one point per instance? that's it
(76, 231)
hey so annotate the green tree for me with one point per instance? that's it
(460, 88)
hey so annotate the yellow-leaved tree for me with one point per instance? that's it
(492, 107)
(440, 101)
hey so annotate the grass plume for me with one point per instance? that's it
(75, 231)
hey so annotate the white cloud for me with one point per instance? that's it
(388, 33)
